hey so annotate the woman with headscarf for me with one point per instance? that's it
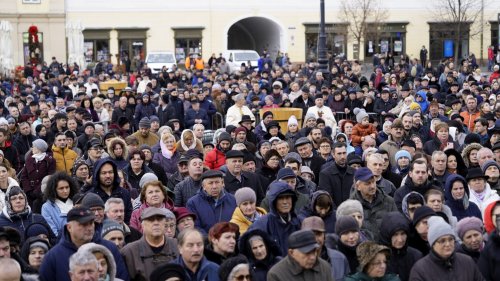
(372, 263)
(188, 141)
(17, 213)
(261, 251)
(167, 157)
(38, 165)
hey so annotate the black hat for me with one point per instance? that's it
(193, 153)
(234, 154)
(248, 157)
(80, 214)
(475, 173)
(167, 271)
(87, 124)
(409, 143)
(267, 113)
(273, 124)
(228, 265)
(472, 138)
(352, 158)
(212, 174)
(303, 240)
(245, 118)
(230, 128)
(182, 159)
(94, 142)
(422, 213)
(305, 90)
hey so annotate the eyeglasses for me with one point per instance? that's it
(445, 240)
(243, 277)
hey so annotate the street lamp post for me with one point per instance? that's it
(322, 59)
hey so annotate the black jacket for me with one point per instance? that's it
(490, 258)
(315, 163)
(338, 185)
(299, 103)
(408, 187)
(248, 179)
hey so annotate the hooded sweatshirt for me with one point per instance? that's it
(460, 208)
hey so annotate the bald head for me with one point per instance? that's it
(10, 270)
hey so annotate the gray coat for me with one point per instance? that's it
(185, 190)
(288, 269)
(458, 268)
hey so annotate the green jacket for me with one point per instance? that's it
(361, 276)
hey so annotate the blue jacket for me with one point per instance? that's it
(144, 110)
(207, 270)
(116, 192)
(53, 216)
(208, 211)
(272, 223)
(191, 115)
(20, 223)
(55, 265)
(330, 219)
(424, 104)
(460, 208)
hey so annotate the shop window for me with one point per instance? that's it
(26, 49)
(188, 40)
(336, 42)
(96, 50)
(135, 50)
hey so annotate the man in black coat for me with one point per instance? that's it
(236, 178)
(337, 178)
(310, 159)
(122, 110)
(175, 108)
(304, 101)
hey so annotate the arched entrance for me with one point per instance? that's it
(255, 33)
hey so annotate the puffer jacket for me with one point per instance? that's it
(310, 210)
(215, 159)
(272, 223)
(168, 165)
(242, 221)
(260, 267)
(184, 190)
(460, 208)
(209, 211)
(401, 260)
(65, 158)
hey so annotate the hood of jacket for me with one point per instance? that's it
(391, 223)
(273, 250)
(275, 190)
(93, 248)
(314, 198)
(97, 169)
(487, 217)
(404, 203)
(112, 144)
(461, 204)
(347, 140)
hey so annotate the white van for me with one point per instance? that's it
(157, 60)
(236, 57)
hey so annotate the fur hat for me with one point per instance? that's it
(360, 114)
(245, 194)
(367, 251)
(467, 150)
(349, 207)
(437, 229)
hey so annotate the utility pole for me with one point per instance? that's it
(482, 31)
(322, 59)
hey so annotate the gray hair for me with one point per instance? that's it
(181, 238)
(484, 150)
(82, 258)
(236, 269)
(437, 154)
(112, 200)
(239, 97)
(198, 125)
(374, 156)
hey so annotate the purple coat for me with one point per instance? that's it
(168, 165)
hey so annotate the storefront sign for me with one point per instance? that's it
(398, 46)
(384, 46)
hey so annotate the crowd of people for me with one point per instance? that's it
(188, 175)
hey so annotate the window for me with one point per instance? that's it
(336, 42)
(188, 40)
(96, 44)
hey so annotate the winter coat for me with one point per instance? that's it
(34, 172)
(184, 190)
(315, 163)
(359, 131)
(302, 201)
(460, 208)
(55, 219)
(337, 185)
(23, 145)
(435, 145)
(490, 196)
(214, 159)
(209, 211)
(144, 110)
(96, 248)
(192, 115)
(260, 267)
(408, 187)
(20, 221)
(490, 258)
(65, 158)
(141, 260)
(375, 211)
(10, 153)
(361, 276)
(288, 269)
(381, 105)
(207, 270)
(127, 113)
(168, 165)
(150, 140)
(273, 224)
(135, 220)
(308, 211)
(401, 260)
(116, 191)
(248, 179)
(458, 267)
(462, 249)
(120, 162)
(134, 178)
(242, 221)
(55, 266)
(267, 173)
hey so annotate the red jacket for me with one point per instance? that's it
(215, 159)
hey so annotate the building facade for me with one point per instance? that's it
(121, 29)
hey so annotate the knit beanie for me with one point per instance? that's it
(40, 145)
(415, 106)
(154, 118)
(122, 121)
(145, 146)
(224, 136)
(345, 224)
(77, 165)
(360, 114)
(147, 177)
(145, 123)
(402, 153)
(367, 251)
(36, 229)
(422, 213)
(164, 272)
(267, 113)
(40, 244)
(438, 228)
(309, 116)
(110, 225)
(92, 200)
(245, 194)
(472, 138)
(488, 164)
(227, 266)
(349, 207)
(292, 121)
(469, 223)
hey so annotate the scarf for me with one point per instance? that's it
(39, 157)
(193, 146)
(64, 207)
(165, 152)
(481, 195)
